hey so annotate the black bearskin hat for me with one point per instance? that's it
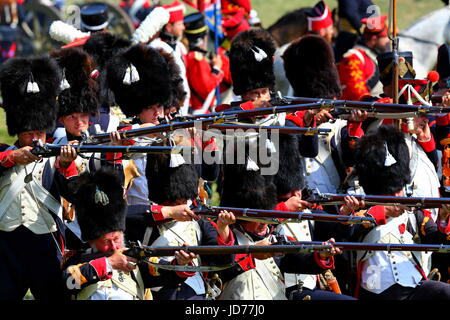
(167, 184)
(156, 83)
(247, 189)
(95, 217)
(251, 61)
(290, 168)
(381, 173)
(310, 69)
(83, 94)
(27, 111)
(102, 46)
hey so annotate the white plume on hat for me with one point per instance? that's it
(64, 32)
(151, 25)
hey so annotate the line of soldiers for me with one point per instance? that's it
(57, 213)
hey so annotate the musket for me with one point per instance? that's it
(338, 108)
(359, 246)
(211, 121)
(141, 253)
(373, 200)
(277, 217)
(280, 129)
(50, 150)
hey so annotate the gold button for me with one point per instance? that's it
(307, 234)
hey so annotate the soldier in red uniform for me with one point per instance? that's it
(358, 69)
(204, 73)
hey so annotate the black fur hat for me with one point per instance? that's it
(290, 169)
(443, 62)
(310, 69)
(94, 217)
(83, 94)
(156, 84)
(379, 173)
(102, 46)
(27, 111)
(167, 184)
(251, 61)
(247, 189)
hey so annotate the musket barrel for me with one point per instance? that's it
(370, 200)
(272, 214)
(382, 246)
(236, 249)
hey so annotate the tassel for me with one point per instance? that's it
(101, 197)
(35, 87)
(131, 75)
(29, 87)
(64, 83)
(270, 146)
(389, 160)
(176, 160)
(260, 55)
(251, 165)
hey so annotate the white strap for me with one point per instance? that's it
(16, 187)
(206, 104)
(147, 234)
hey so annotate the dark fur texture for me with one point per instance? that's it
(290, 170)
(310, 68)
(102, 46)
(155, 84)
(167, 185)
(83, 94)
(370, 155)
(95, 219)
(247, 73)
(30, 111)
(178, 93)
(247, 189)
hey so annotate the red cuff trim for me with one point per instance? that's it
(101, 269)
(281, 207)
(354, 129)
(247, 105)
(298, 120)
(114, 157)
(68, 172)
(230, 241)
(209, 145)
(5, 160)
(429, 145)
(222, 107)
(324, 264)
(183, 274)
(157, 212)
(377, 212)
(248, 263)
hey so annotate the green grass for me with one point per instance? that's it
(270, 10)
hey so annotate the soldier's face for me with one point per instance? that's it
(260, 97)
(109, 242)
(151, 114)
(176, 28)
(75, 123)
(382, 44)
(26, 138)
(257, 228)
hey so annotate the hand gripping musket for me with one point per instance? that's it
(276, 217)
(50, 150)
(372, 200)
